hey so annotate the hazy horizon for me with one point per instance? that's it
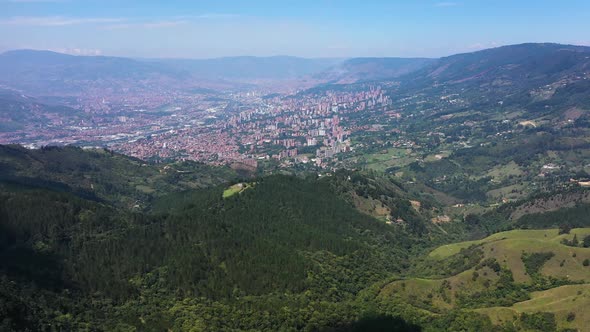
(66, 52)
(309, 29)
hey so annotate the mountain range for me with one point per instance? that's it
(33, 71)
(37, 71)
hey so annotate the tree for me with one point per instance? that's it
(539, 321)
(472, 220)
(564, 229)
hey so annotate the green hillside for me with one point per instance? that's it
(206, 251)
(99, 174)
(568, 303)
(288, 252)
(503, 276)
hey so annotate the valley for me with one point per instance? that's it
(415, 194)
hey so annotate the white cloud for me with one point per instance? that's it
(216, 16)
(113, 23)
(146, 25)
(35, 1)
(170, 22)
(482, 46)
(54, 20)
(446, 4)
(77, 51)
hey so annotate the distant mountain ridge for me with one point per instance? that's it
(540, 81)
(369, 69)
(45, 72)
(530, 61)
(40, 71)
(65, 66)
(250, 67)
(530, 64)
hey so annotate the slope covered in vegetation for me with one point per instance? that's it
(348, 251)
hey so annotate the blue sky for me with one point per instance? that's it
(308, 28)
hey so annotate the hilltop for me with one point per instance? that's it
(102, 175)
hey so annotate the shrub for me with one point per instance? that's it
(571, 316)
(564, 229)
(539, 321)
(535, 261)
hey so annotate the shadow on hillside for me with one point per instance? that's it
(379, 323)
(23, 263)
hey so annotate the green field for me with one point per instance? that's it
(545, 235)
(501, 172)
(511, 192)
(431, 290)
(393, 157)
(236, 189)
(562, 301)
(507, 248)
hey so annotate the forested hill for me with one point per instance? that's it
(103, 175)
(284, 253)
(516, 65)
(539, 80)
(271, 253)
